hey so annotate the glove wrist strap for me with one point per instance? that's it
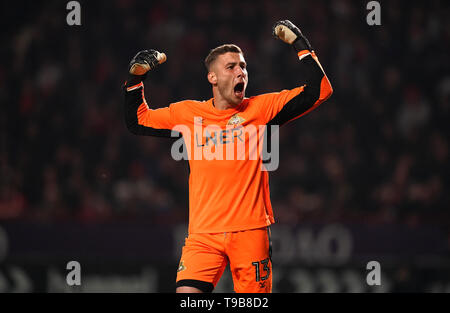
(135, 79)
(301, 43)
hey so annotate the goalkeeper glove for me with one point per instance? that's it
(291, 34)
(145, 61)
(141, 63)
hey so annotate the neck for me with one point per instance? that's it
(220, 103)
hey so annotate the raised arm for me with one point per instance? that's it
(139, 118)
(315, 89)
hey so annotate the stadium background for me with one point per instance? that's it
(364, 177)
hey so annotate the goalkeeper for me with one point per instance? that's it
(229, 202)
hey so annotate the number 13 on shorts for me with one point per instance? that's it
(262, 272)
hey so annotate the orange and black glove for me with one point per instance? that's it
(142, 63)
(291, 34)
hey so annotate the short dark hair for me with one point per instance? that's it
(214, 53)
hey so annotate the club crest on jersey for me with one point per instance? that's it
(181, 266)
(198, 120)
(235, 120)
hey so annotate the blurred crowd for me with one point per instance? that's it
(376, 151)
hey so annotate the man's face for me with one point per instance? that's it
(231, 76)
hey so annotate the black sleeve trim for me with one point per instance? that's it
(133, 99)
(306, 99)
(202, 285)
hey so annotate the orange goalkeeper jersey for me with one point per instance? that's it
(228, 188)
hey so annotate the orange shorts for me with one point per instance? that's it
(205, 256)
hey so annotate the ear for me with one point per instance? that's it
(212, 78)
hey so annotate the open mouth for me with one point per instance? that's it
(239, 90)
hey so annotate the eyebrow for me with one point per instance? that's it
(234, 63)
